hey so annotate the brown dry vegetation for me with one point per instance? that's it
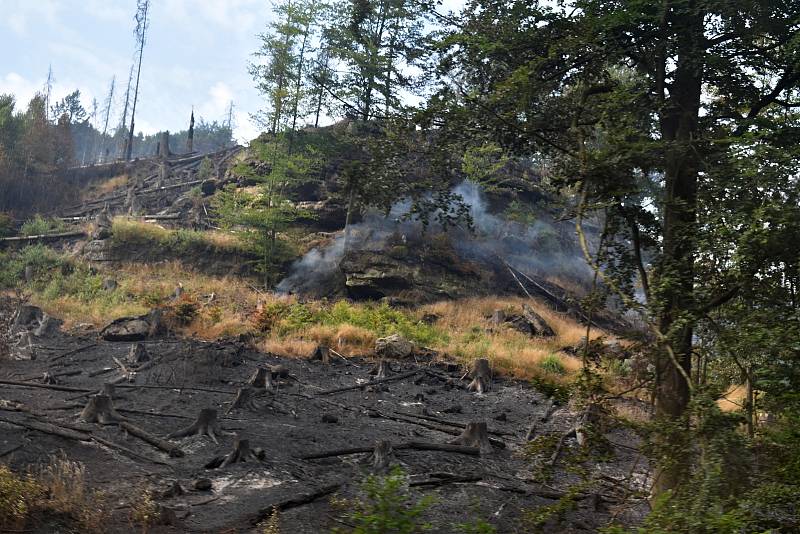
(106, 187)
(212, 307)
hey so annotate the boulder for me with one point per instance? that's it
(529, 322)
(102, 226)
(394, 346)
(208, 187)
(134, 328)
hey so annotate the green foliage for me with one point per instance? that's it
(560, 393)
(380, 319)
(6, 225)
(17, 497)
(40, 226)
(387, 507)
(552, 364)
(477, 526)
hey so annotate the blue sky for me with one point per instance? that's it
(196, 55)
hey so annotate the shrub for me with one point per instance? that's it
(552, 364)
(18, 496)
(387, 506)
(40, 226)
(6, 225)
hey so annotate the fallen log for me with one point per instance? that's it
(298, 500)
(163, 445)
(413, 445)
(54, 387)
(369, 383)
(42, 237)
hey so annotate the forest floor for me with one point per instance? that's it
(534, 477)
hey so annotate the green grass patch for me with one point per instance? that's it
(552, 364)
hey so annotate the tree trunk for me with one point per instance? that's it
(679, 124)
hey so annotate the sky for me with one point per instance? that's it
(196, 54)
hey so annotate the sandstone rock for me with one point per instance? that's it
(394, 346)
(133, 328)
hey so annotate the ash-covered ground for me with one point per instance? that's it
(314, 408)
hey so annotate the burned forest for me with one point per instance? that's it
(389, 266)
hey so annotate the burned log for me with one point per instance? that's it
(206, 424)
(170, 448)
(241, 453)
(99, 409)
(481, 375)
(475, 435)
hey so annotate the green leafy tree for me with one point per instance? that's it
(650, 112)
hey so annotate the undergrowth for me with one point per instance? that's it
(55, 491)
(40, 225)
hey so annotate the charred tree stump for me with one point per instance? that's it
(108, 390)
(321, 353)
(206, 424)
(481, 376)
(244, 399)
(381, 370)
(241, 453)
(279, 371)
(47, 378)
(382, 457)
(100, 410)
(261, 379)
(475, 435)
(138, 354)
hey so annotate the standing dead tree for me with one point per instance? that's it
(142, 23)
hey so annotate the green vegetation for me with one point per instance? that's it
(40, 226)
(56, 489)
(552, 364)
(287, 319)
(129, 233)
(387, 506)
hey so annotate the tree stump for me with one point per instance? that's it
(381, 370)
(138, 354)
(206, 424)
(382, 457)
(259, 378)
(241, 453)
(244, 399)
(321, 353)
(100, 410)
(108, 390)
(279, 371)
(475, 435)
(47, 378)
(481, 376)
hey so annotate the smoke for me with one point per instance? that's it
(537, 245)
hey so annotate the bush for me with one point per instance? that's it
(6, 225)
(552, 364)
(40, 226)
(387, 506)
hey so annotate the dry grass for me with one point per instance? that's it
(107, 187)
(288, 348)
(509, 351)
(57, 489)
(734, 399)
